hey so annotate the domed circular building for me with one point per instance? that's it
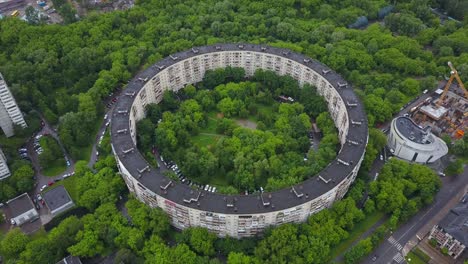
(237, 215)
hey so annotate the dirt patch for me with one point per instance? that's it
(246, 123)
(219, 115)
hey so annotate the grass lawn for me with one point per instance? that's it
(414, 259)
(204, 140)
(55, 168)
(85, 153)
(358, 230)
(69, 184)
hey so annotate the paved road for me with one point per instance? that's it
(102, 129)
(389, 251)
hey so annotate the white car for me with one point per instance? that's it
(381, 157)
(43, 187)
(105, 116)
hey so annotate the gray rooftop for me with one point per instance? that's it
(153, 179)
(20, 205)
(56, 197)
(455, 222)
(412, 131)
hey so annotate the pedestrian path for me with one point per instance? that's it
(395, 243)
(398, 258)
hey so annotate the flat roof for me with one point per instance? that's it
(434, 112)
(20, 205)
(456, 222)
(412, 131)
(347, 158)
(56, 197)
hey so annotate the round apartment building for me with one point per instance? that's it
(237, 215)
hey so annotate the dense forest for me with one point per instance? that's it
(274, 152)
(65, 71)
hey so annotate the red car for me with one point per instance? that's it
(50, 183)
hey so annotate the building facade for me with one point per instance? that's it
(10, 113)
(237, 215)
(452, 231)
(4, 170)
(410, 142)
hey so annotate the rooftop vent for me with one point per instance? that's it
(263, 48)
(325, 71)
(351, 104)
(352, 142)
(173, 57)
(285, 52)
(126, 151)
(265, 203)
(193, 199)
(218, 47)
(240, 46)
(147, 168)
(194, 50)
(323, 179)
(306, 60)
(298, 194)
(161, 67)
(143, 79)
(164, 187)
(356, 122)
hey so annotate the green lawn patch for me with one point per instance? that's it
(54, 168)
(412, 258)
(354, 235)
(84, 153)
(70, 185)
(52, 159)
(205, 140)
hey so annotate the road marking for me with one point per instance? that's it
(395, 243)
(398, 258)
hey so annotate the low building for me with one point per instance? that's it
(411, 142)
(70, 260)
(22, 210)
(452, 231)
(4, 170)
(58, 200)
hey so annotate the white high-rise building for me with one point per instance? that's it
(4, 171)
(10, 113)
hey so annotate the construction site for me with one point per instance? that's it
(446, 110)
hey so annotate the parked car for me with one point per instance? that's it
(43, 187)
(51, 183)
(39, 197)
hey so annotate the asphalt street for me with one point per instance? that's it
(389, 251)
